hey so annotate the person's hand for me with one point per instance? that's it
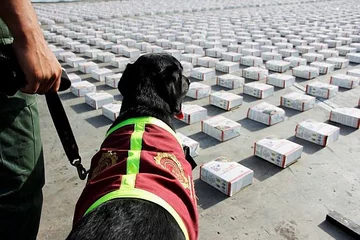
(40, 67)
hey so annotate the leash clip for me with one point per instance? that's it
(82, 172)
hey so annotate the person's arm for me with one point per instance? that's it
(41, 68)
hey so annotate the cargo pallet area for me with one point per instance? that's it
(272, 116)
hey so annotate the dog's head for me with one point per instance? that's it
(155, 80)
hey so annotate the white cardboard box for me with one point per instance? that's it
(74, 61)
(317, 132)
(328, 53)
(266, 113)
(227, 66)
(92, 53)
(193, 113)
(220, 128)
(353, 57)
(230, 81)
(105, 56)
(298, 101)
(215, 52)
(345, 81)
(192, 144)
(111, 110)
(266, 56)
(280, 152)
(320, 89)
(255, 73)
(339, 63)
(343, 50)
(280, 80)
(191, 58)
(203, 73)
(324, 68)
(354, 72)
(81, 88)
(113, 80)
(187, 68)
(208, 62)
(100, 74)
(198, 90)
(225, 100)
(277, 65)
(74, 78)
(231, 56)
(296, 61)
(98, 99)
(120, 62)
(87, 67)
(313, 57)
(305, 72)
(259, 90)
(346, 116)
(289, 52)
(227, 177)
(251, 61)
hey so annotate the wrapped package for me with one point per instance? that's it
(280, 80)
(280, 152)
(208, 62)
(346, 116)
(328, 53)
(98, 99)
(298, 101)
(313, 57)
(225, 100)
(227, 66)
(81, 88)
(251, 61)
(305, 72)
(354, 72)
(203, 73)
(296, 61)
(100, 74)
(317, 132)
(105, 57)
(227, 177)
(258, 90)
(231, 56)
(345, 81)
(113, 80)
(74, 78)
(255, 73)
(266, 113)
(111, 110)
(230, 81)
(339, 62)
(220, 128)
(193, 113)
(74, 61)
(193, 145)
(277, 65)
(353, 57)
(324, 68)
(320, 89)
(266, 56)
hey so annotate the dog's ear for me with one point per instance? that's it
(173, 88)
(127, 80)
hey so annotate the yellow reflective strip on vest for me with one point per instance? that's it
(145, 120)
(133, 160)
(145, 195)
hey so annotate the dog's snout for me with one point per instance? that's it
(187, 80)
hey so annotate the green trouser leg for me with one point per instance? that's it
(21, 167)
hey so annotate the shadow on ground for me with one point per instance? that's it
(207, 195)
(262, 168)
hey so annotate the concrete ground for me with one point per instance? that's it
(286, 203)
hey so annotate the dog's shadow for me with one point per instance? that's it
(207, 195)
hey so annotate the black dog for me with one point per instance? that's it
(140, 184)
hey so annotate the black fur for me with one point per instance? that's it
(152, 86)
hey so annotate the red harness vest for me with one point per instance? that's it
(142, 158)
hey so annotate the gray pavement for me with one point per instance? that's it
(286, 203)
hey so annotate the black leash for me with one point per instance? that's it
(65, 133)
